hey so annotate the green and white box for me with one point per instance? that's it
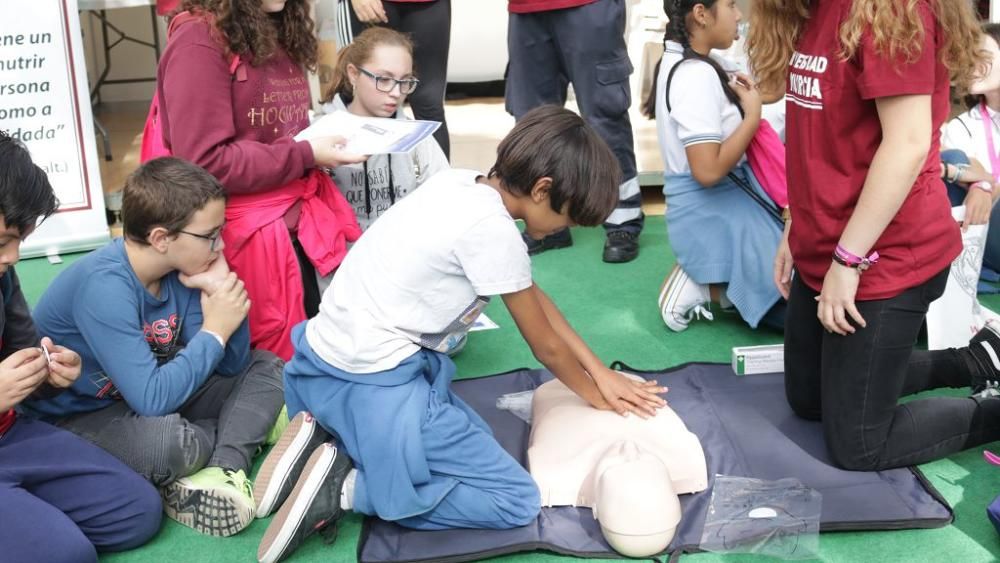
(748, 360)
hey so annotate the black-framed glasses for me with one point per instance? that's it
(387, 83)
(213, 240)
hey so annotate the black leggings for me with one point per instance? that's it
(429, 26)
(853, 383)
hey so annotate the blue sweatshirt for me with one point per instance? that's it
(128, 338)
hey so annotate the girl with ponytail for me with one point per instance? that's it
(723, 227)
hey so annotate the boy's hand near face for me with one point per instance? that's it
(209, 280)
(226, 308)
(20, 374)
(64, 364)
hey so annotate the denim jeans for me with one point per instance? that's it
(957, 193)
(853, 383)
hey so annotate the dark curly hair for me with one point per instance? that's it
(247, 30)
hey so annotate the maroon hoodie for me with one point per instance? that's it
(238, 126)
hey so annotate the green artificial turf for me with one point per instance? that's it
(613, 306)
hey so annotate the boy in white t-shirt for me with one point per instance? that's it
(372, 368)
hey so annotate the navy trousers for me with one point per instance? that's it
(583, 46)
(63, 499)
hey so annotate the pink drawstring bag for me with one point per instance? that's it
(153, 144)
(766, 155)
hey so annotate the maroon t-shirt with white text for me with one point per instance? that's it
(531, 6)
(832, 133)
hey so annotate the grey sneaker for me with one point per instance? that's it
(283, 464)
(313, 506)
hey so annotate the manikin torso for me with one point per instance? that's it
(629, 471)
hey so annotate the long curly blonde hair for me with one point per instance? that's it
(896, 27)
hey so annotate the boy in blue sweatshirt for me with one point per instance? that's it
(61, 498)
(372, 366)
(169, 383)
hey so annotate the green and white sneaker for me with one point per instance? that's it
(213, 501)
(278, 429)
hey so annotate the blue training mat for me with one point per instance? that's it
(746, 428)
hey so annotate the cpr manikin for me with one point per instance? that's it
(627, 470)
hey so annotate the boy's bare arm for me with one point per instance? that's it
(550, 336)
(549, 347)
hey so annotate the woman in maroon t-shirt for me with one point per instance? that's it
(233, 94)
(871, 234)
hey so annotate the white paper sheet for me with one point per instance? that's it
(957, 315)
(483, 323)
(370, 135)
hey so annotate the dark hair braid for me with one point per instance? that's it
(677, 11)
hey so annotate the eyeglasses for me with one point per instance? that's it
(387, 83)
(212, 239)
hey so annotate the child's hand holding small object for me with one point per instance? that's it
(63, 363)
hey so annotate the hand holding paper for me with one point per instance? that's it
(368, 135)
(330, 152)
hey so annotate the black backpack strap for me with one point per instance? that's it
(770, 208)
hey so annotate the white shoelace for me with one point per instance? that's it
(992, 389)
(698, 312)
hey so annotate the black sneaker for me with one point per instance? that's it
(985, 350)
(621, 246)
(558, 239)
(284, 463)
(313, 506)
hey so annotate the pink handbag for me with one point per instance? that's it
(153, 145)
(766, 155)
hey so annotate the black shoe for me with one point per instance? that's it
(313, 506)
(283, 464)
(558, 239)
(985, 350)
(621, 246)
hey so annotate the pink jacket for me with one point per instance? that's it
(259, 249)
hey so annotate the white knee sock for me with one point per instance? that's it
(347, 490)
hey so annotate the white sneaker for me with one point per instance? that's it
(681, 299)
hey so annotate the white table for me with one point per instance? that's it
(98, 10)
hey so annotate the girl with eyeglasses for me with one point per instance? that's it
(373, 77)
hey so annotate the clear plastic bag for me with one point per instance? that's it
(777, 518)
(519, 404)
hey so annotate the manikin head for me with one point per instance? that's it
(638, 521)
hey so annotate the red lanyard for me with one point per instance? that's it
(988, 127)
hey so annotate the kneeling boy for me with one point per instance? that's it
(169, 385)
(372, 366)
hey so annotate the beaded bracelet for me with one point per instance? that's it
(844, 257)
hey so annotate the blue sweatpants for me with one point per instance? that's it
(63, 499)
(956, 194)
(425, 459)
